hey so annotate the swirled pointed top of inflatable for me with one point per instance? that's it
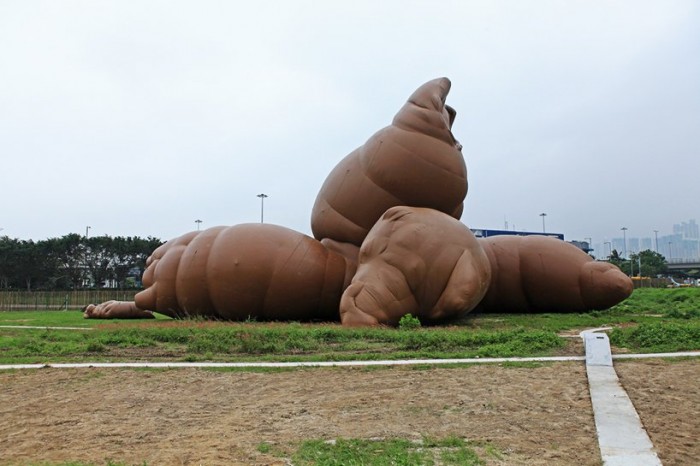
(416, 161)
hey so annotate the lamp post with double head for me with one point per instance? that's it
(262, 197)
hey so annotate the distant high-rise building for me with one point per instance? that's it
(682, 245)
(687, 230)
(618, 244)
(632, 245)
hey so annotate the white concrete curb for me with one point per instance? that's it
(621, 436)
(399, 362)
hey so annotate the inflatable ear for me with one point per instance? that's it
(415, 261)
(545, 274)
(415, 161)
(256, 270)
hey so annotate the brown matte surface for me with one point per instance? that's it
(545, 274)
(415, 261)
(257, 270)
(416, 161)
(116, 310)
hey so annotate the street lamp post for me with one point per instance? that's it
(543, 215)
(639, 260)
(198, 222)
(624, 241)
(262, 197)
(656, 241)
(631, 264)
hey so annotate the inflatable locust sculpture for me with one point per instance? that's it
(387, 242)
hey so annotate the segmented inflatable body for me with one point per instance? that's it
(398, 197)
(416, 161)
(259, 271)
(545, 274)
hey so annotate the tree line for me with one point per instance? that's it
(74, 261)
(645, 263)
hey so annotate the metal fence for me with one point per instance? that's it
(57, 300)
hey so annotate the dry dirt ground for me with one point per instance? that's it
(531, 415)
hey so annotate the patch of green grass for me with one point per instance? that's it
(394, 452)
(653, 320)
(69, 318)
(661, 301)
(194, 341)
(658, 337)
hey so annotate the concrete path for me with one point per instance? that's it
(621, 436)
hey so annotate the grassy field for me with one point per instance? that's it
(651, 320)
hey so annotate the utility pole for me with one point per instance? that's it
(543, 215)
(198, 222)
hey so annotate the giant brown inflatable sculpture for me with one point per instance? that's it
(388, 242)
(416, 161)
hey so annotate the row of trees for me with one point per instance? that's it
(73, 261)
(645, 263)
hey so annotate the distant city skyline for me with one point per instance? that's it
(681, 244)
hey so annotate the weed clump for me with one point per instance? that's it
(409, 322)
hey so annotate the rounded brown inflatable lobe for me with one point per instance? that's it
(416, 161)
(603, 285)
(349, 251)
(116, 310)
(545, 274)
(191, 282)
(415, 261)
(506, 287)
(270, 272)
(160, 277)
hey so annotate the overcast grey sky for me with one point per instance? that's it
(139, 117)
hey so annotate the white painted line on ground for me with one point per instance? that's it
(621, 435)
(680, 354)
(400, 362)
(45, 328)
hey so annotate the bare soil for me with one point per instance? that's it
(666, 394)
(529, 415)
